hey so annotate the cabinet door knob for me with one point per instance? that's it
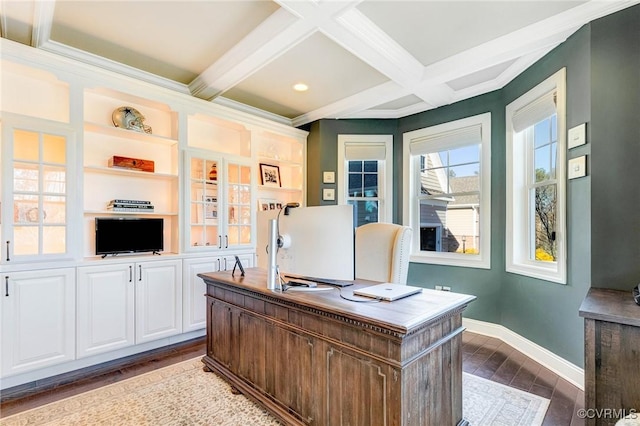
(6, 285)
(139, 272)
(219, 241)
(8, 243)
(226, 239)
(130, 273)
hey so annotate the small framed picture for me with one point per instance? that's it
(270, 175)
(265, 204)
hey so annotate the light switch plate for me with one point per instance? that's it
(577, 167)
(328, 194)
(328, 177)
(577, 136)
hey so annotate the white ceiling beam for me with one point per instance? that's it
(365, 40)
(42, 22)
(273, 37)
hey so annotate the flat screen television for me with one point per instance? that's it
(129, 235)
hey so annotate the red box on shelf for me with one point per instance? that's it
(131, 163)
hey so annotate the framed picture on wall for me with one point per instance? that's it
(270, 175)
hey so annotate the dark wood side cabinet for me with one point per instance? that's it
(612, 355)
(315, 358)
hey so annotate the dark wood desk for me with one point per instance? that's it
(315, 358)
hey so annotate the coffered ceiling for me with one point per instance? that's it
(359, 58)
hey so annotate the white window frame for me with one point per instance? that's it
(519, 163)
(411, 185)
(385, 171)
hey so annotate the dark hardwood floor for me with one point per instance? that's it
(483, 356)
(493, 359)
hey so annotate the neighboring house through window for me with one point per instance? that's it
(365, 176)
(447, 181)
(536, 231)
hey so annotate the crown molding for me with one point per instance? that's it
(393, 113)
(109, 65)
(254, 112)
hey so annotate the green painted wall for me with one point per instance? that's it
(322, 151)
(603, 224)
(615, 162)
(545, 312)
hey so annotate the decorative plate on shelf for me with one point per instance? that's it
(129, 118)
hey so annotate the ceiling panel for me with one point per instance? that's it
(481, 76)
(16, 20)
(174, 39)
(331, 72)
(434, 30)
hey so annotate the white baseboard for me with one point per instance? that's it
(553, 362)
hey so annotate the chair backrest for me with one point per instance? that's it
(382, 252)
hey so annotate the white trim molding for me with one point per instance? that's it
(555, 363)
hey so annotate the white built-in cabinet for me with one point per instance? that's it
(58, 137)
(194, 288)
(123, 304)
(220, 207)
(38, 319)
(158, 299)
(39, 172)
(106, 308)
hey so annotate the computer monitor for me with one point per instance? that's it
(318, 241)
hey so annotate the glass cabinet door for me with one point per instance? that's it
(219, 203)
(239, 205)
(204, 202)
(39, 194)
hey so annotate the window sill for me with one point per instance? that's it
(538, 272)
(452, 259)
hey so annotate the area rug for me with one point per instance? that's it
(183, 394)
(489, 403)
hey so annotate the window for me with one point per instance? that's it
(535, 232)
(365, 173)
(448, 185)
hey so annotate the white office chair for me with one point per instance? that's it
(382, 252)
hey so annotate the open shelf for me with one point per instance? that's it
(129, 172)
(118, 132)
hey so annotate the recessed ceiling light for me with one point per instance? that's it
(300, 87)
